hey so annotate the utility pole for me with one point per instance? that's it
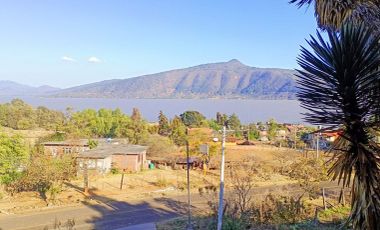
(189, 227)
(221, 191)
(318, 135)
(122, 180)
(85, 176)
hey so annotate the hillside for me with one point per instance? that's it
(218, 80)
(10, 88)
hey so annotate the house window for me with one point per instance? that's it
(54, 152)
(91, 164)
(67, 150)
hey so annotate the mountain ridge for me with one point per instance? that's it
(230, 79)
(11, 88)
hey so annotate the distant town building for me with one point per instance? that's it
(263, 135)
(281, 134)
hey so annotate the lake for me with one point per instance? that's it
(247, 110)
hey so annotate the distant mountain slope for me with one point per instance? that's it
(218, 80)
(10, 88)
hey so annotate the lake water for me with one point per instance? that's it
(247, 110)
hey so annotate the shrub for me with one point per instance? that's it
(115, 171)
(160, 146)
(162, 182)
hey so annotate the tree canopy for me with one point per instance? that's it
(13, 157)
(192, 118)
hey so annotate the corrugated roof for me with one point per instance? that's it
(106, 150)
(80, 142)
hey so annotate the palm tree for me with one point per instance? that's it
(336, 86)
(332, 13)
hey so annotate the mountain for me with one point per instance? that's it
(230, 79)
(10, 88)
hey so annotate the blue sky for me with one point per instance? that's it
(70, 42)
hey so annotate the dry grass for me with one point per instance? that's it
(154, 183)
(31, 136)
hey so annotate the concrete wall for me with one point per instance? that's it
(130, 162)
(101, 166)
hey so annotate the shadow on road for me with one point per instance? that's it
(113, 214)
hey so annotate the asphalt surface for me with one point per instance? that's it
(110, 216)
(119, 214)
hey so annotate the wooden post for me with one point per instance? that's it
(85, 176)
(122, 181)
(316, 216)
(262, 212)
(324, 198)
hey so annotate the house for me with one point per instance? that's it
(123, 157)
(330, 136)
(59, 148)
(281, 134)
(263, 135)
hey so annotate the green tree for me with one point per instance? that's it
(234, 122)
(221, 119)
(17, 115)
(160, 146)
(121, 124)
(13, 157)
(45, 174)
(253, 132)
(92, 143)
(104, 123)
(213, 124)
(84, 124)
(163, 125)
(273, 126)
(178, 131)
(336, 85)
(139, 128)
(49, 119)
(192, 118)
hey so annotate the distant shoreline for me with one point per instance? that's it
(248, 110)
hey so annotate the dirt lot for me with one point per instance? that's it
(157, 182)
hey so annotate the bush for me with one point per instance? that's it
(335, 214)
(309, 173)
(160, 146)
(44, 174)
(115, 171)
(162, 182)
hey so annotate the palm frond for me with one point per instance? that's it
(337, 86)
(331, 14)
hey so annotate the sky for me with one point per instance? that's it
(64, 43)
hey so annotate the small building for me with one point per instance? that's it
(59, 148)
(123, 157)
(330, 136)
(194, 162)
(281, 134)
(263, 135)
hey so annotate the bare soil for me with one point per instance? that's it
(154, 183)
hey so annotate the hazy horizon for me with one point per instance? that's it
(65, 44)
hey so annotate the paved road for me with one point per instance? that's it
(116, 214)
(110, 216)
